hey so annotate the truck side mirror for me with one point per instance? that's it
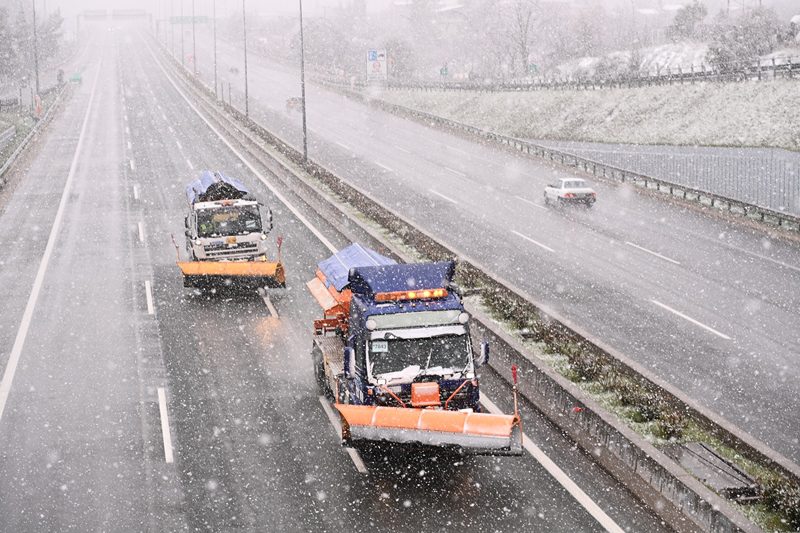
(349, 363)
(186, 222)
(484, 357)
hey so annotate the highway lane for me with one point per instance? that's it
(76, 433)
(707, 304)
(253, 445)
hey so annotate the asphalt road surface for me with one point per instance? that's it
(707, 304)
(129, 403)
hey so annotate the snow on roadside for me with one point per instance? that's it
(765, 114)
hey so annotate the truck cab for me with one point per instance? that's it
(231, 230)
(225, 221)
(399, 338)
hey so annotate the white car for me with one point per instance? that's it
(569, 191)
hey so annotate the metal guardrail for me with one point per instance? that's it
(783, 67)
(734, 206)
(22, 145)
(618, 448)
(7, 135)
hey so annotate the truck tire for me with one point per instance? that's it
(319, 375)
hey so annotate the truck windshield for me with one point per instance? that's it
(432, 353)
(239, 220)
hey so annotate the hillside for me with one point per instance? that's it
(765, 114)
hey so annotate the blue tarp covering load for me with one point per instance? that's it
(369, 280)
(337, 267)
(212, 186)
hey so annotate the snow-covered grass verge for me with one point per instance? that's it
(760, 114)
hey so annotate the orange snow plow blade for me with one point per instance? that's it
(255, 273)
(475, 433)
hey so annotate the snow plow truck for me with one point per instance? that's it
(393, 352)
(226, 237)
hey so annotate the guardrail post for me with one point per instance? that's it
(773, 69)
(758, 67)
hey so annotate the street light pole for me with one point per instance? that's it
(194, 44)
(303, 84)
(172, 27)
(244, 34)
(214, 26)
(182, 32)
(35, 48)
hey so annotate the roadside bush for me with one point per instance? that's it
(586, 367)
(670, 425)
(782, 496)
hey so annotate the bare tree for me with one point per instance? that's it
(521, 27)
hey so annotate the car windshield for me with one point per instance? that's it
(396, 355)
(239, 220)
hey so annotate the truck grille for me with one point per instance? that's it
(248, 249)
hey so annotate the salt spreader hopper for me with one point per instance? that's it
(393, 351)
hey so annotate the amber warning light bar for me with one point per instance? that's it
(425, 294)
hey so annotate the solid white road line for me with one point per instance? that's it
(148, 294)
(537, 243)
(191, 166)
(454, 171)
(344, 146)
(135, 192)
(133, 165)
(162, 409)
(561, 477)
(247, 163)
(531, 202)
(141, 231)
(27, 315)
(268, 303)
(384, 167)
(337, 426)
(440, 195)
(692, 320)
(665, 258)
(398, 147)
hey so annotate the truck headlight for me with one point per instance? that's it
(463, 318)
(198, 242)
(263, 236)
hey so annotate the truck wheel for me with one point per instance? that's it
(319, 375)
(546, 200)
